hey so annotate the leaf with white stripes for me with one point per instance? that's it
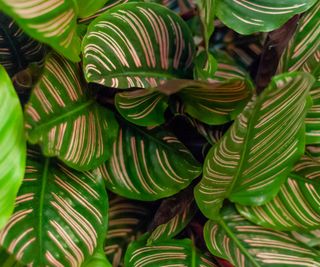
(137, 45)
(252, 160)
(244, 244)
(171, 252)
(174, 226)
(12, 146)
(128, 219)
(61, 117)
(144, 107)
(60, 217)
(311, 238)
(148, 165)
(17, 49)
(249, 16)
(52, 22)
(296, 206)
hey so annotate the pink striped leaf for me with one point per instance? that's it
(148, 165)
(62, 118)
(60, 218)
(245, 244)
(137, 45)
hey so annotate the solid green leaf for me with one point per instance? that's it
(137, 45)
(142, 107)
(65, 121)
(128, 219)
(205, 66)
(17, 49)
(166, 253)
(247, 17)
(296, 206)
(60, 217)
(52, 22)
(8, 260)
(148, 165)
(252, 160)
(244, 244)
(174, 226)
(12, 146)
(89, 7)
(98, 260)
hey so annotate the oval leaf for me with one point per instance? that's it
(137, 45)
(60, 216)
(66, 123)
(251, 161)
(148, 165)
(12, 146)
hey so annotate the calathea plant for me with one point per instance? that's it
(159, 133)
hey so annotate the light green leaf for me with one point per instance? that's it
(128, 219)
(254, 157)
(12, 146)
(8, 260)
(53, 23)
(297, 205)
(166, 253)
(244, 244)
(89, 7)
(60, 216)
(17, 49)
(148, 165)
(205, 66)
(137, 45)
(142, 107)
(247, 17)
(98, 260)
(61, 117)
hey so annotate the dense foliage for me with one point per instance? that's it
(159, 133)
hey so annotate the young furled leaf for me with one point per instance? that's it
(247, 17)
(66, 123)
(166, 253)
(52, 22)
(137, 45)
(244, 244)
(148, 165)
(12, 146)
(60, 217)
(297, 204)
(251, 161)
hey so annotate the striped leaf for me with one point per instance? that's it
(137, 45)
(61, 117)
(247, 17)
(148, 165)
(253, 158)
(311, 238)
(217, 102)
(297, 205)
(53, 23)
(174, 226)
(128, 219)
(244, 244)
(12, 146)
(313, 151)
(166, 253)
(142, 107)
(60, 216)
(205, 66)
(17, 50)
(8, 260)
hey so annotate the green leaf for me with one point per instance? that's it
(205, 66)
(53, 23)
(244, 244)
(137, 45)
(128, 219)
(166, 253)
(98, 260)
(89, 7)
(12, 146)
(313, 151)
(297, 205)
(247, 17)
(61, 117)
(8, 260)
(60, 216)
(254, 157)
(174, 226)
(148, 165)
(17, 50)
(142, 107)
(311, 238)
(217, 102)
